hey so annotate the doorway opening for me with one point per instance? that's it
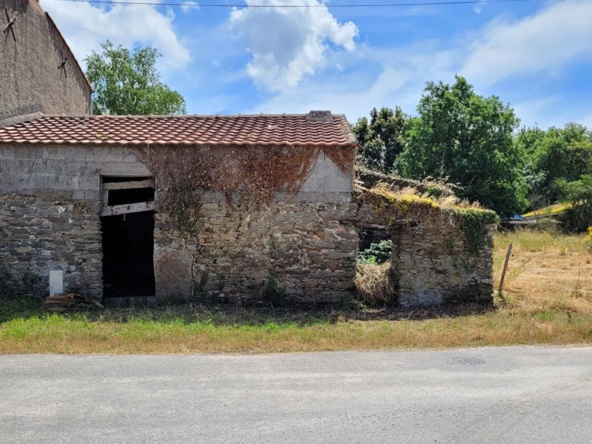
(127, 221)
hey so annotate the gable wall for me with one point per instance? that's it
(29, 76)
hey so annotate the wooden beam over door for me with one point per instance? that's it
(116, 210)
(149, 183)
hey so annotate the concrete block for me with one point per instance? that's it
(6, 153)
(313, 184)
(325, 167)
(338, 183)
(86, 195)
(126, 169)
(7, 183)
(45, 182)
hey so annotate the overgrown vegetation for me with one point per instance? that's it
(245, 176)
(471, 142)
(548, 300)
(396, 205)
(378, 253)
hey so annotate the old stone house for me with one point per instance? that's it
(227, 207)
(39, 73)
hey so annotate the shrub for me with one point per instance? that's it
(377, 253)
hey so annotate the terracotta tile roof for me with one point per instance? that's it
(294, 129)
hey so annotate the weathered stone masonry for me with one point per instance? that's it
(48, 231)
(304, 246)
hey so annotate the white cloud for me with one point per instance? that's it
(86, 27)
(400, 80)
(289, 43)
(188, 6)
(542, 42)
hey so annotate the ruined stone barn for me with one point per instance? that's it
(227, 207)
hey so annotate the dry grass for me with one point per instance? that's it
(547, 272)
(549, 289)
(448, 201)
(374, 286)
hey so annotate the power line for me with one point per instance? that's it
(375, 5)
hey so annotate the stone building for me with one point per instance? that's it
(39, 73)
(233, 207)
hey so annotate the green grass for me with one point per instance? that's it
(548, 293)
(25, 328)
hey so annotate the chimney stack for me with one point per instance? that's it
(320, 116)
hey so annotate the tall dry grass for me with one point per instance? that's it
(547, 272)
(373, 284)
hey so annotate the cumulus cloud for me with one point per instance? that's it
(85, 27)
(399, 80)
(289, 43)
(542, 42)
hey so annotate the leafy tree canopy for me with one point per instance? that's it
(579, 194)
(559, 154)
(127, 83)
(469, 140)
(382, 139)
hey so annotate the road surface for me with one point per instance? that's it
(507, 395)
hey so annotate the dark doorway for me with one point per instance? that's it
(128, 240)
(128, 245)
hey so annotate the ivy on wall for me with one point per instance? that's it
(245, 174)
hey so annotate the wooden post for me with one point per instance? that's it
(504, 271)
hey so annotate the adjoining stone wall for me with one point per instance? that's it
(429, 262)
(304, 251)
(429, 272)
(29, 78)
(46, 232)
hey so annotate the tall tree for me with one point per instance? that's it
(382, 139)
(468, 139)
(127, 83)
(562, 154)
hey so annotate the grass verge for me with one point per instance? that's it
(548, 301)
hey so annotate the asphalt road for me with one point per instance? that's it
(508, 395)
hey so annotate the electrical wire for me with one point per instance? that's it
(374, 5)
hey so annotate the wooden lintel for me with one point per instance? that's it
(128, 185)
(115, 210)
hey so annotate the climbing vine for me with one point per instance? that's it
(244, 174)
(473, 223)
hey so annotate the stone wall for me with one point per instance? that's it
(430, 260)
(29, 76)
(46, 232)
(428, 272)
(235, 247)
(304, 251)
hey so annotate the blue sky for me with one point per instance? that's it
(535, 55)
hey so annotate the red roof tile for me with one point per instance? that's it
(294, 129)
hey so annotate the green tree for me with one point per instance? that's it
(468, 140)
(579, 194)
(562, 154)
(382, 139)
(125, 83)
